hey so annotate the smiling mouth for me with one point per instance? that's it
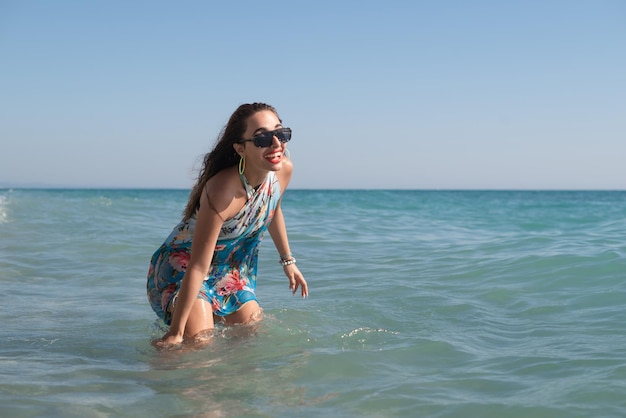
(274, 157)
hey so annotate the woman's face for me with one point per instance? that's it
(262, 159)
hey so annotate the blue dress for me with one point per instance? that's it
(231, 280)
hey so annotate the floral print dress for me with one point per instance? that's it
(231, 280)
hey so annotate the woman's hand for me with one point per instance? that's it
(296, 280)
(168, 340)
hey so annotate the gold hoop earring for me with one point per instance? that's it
(287, 154)
(242, 164)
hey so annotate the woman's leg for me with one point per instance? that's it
(200, 321)
(249, 313)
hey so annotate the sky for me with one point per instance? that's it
(379, 94)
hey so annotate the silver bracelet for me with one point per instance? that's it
(287, 262)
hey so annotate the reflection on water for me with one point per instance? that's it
(244, 370)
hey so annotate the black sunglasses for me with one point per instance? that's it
(266, 139)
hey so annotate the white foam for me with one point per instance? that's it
(3, 209)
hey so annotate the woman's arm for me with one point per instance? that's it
(278, 232)
(210, 218)
(204, 239)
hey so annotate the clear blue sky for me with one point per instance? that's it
(379, 94)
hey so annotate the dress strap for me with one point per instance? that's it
(246, 185)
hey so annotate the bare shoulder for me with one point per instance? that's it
(224, 193)
(284, 174)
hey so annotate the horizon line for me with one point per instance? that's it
(443, 189)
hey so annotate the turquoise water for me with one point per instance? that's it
(422, 303)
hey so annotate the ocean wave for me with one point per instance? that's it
(4, 217)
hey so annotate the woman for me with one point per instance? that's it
(206, 269)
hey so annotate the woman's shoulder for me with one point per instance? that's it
(224, 189)
(284, 174)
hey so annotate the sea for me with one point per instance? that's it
(422, 303)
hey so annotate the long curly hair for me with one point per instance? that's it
(223, 154)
